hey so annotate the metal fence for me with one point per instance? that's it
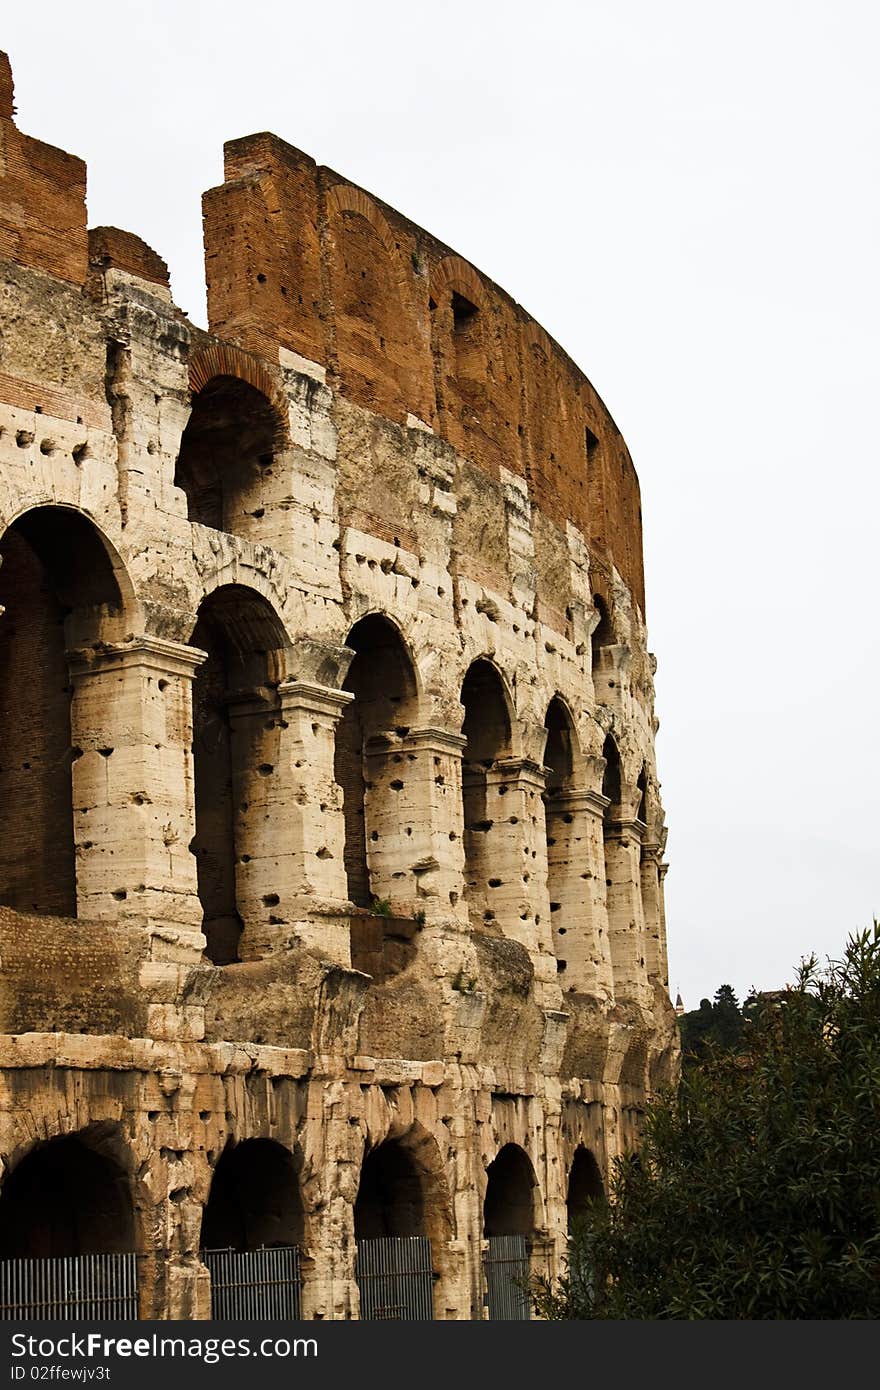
(507, 1275)
(78, 1288)
(395, 1276)
(255, 1285)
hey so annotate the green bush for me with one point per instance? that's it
(756, 1193)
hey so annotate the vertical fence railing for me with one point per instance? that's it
(73, 1288)
(506, 1264)
(395, 1278)
(255, 1285)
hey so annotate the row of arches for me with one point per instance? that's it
(60, 587)
(72, 1196)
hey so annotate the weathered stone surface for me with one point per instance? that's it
(329, 813)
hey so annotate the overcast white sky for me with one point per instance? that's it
(686, 195)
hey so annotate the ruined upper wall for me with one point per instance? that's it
(299, 260)
(43, 207)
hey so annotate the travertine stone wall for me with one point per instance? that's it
(317, 628)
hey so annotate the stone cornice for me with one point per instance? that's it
(155, 653)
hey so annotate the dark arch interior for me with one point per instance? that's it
(486, 728)
(56, 583)
(603, 633)
(391, 1195)
(382, 681)
(66, 1197)
(585, 1186)
(486, 720)
(611, 776)
(242, 636)
(558, 757)
(254, 1199)
(642, 785)
(227, 447)
(509, 1207)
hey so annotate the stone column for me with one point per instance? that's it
(662, 870)
(289, 825)
(507, 865)
(576, 880)
(412, 807)
(626, 922)
(134, 811)
(651, 906)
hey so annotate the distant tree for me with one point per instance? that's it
(758, 1190)
(717, 1024)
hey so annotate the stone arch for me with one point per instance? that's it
(227, 360)
(254, 1199)
(229, 449)
(69, 1195)
(488, 730)
(62, 586)
(453, 274)
(509, 1203)
(585, 1186)
(457, 306)
(235, 702)
(370, 743)
(403, 1192)
(377, 347)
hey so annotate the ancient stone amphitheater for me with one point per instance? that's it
(331, 857)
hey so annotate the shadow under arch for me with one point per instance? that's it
(254, 1198)
(235, 698)
(69, 1195)
(63, 586)
(383, 679)
(585, 1186)
(403, 1194)
(488, 731)
(227, 454)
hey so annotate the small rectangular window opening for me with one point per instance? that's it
(462, 312)
(592, 444)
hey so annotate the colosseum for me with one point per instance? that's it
(331, 866)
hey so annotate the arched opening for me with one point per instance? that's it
(227, 455)
(254, 1199)
(487, 730)
(253, 1229)
(509, 1205)
(234, 700)
(390, 1199)
(585, 1186)
(401, 1225)
(622, 853)
(642, 788)
(508, 1225)
(370, 762)
(563, 877)
(68, 1196)
(58, 588)
(603, 632)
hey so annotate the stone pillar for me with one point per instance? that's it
(576, 881)
(662, 870)
(626, 922)
(412, 807)
(655, 952)
(134, 810)
(289, 826)
(507, 860)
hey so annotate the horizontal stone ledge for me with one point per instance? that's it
(112, 1052)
